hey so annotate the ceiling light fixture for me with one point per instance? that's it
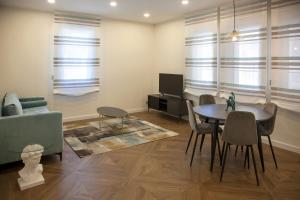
(185, 2)
(147, 15)
(113, 3)
(234, 34)
(51, 1)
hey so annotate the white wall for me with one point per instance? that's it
(24, 51)
(169, 49)
(169, 58)
(26, 57)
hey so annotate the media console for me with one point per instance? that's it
(171, 105)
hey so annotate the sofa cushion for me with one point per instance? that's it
(12, 98)
(9, 110)
(32, 104)
(35, 110)
(25, 99)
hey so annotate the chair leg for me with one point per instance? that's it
(261, 153)
(219, 149)
(242, 148)
(271, 146)
(194, 149)
(246, 156)
(202, 140)
(236, 149)
(189, 142)
(222, 153)
(224, 161)
(254, 164)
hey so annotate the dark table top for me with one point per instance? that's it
(218, 111)
(112, 112)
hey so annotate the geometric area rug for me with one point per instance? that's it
(87, 139)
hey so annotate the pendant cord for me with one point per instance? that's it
(233, 15)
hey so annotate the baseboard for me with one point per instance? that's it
(282, 145)
(92, 116)
(135, 110)
(80, 117)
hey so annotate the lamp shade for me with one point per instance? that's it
(234, 35)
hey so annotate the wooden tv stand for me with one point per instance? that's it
(170, 105)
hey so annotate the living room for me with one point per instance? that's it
(92, 65)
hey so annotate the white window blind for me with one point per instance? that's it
(201, 53)
(264, 64)
(243, 63)
(76, 54)
(285, 90)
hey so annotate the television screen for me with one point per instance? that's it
(171, 84)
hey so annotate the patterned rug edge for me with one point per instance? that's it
(175, 134)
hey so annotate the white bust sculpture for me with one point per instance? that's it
(31, 174)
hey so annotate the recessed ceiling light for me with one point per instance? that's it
(51, 1)
(113, 3)
(185, 2)
(147, 15)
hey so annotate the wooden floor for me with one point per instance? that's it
(157, 170)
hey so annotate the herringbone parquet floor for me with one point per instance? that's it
(158, 170)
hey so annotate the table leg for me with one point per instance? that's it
(260, 149)
(214, 136)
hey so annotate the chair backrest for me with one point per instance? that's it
(270, 124)
(192, 118)
(206, 99)
(240, 128)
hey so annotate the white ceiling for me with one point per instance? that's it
(132, 10)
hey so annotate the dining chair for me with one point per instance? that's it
(240, 129)
(266, 128)
(201, 128)
(207, 99)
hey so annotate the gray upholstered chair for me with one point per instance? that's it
(266, 128)
(207, 99)
(240, 129)
(197, 128)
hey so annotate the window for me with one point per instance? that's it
(249, 76)
(76, 54)
(285, 89)
(243, 64)
(201, 58)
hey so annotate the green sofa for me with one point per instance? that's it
(33, 124)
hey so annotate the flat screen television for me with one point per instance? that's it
(171, 84)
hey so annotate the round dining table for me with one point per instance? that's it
(218, 112)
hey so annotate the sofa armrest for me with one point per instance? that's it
(25, 99)
(16, 132)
